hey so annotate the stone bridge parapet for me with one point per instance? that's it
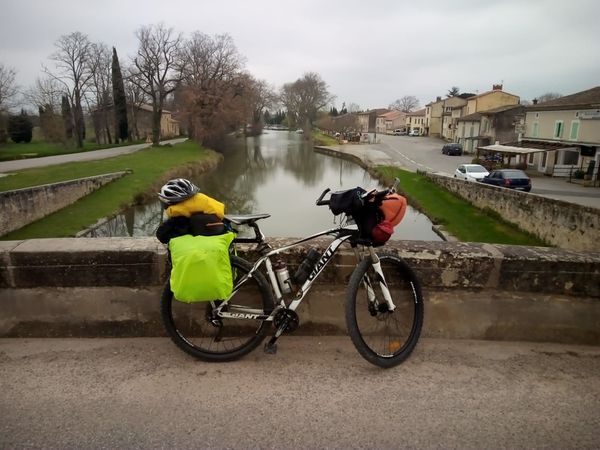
(111, 287)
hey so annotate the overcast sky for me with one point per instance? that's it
(368, 52)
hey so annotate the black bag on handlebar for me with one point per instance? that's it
(346, 202)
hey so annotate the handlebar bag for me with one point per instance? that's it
(201, 270)
(393, 207)
(347, 202)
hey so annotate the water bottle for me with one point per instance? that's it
(283, 276)
(306, 267)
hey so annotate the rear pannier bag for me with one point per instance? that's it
(201, 270)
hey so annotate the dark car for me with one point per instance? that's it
(452, 149)
(509, 178)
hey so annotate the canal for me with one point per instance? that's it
(276, 173)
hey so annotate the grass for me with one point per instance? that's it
(323, 139)
(151, 167)
(460, 218)
(37, 149)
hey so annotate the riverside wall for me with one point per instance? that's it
(566, 225)
(112, 286)
(21, 207)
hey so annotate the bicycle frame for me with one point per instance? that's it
(342, 235)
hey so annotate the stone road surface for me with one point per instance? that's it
(316, 392)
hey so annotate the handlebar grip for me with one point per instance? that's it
(320, 201)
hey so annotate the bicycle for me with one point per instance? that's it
(384, 330)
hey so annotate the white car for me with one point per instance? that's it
(414, 132)
(470, 172)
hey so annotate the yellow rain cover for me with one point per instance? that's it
(199, 203)
(201, 268)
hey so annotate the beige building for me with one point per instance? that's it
(367, 120)
(390, 121)
(433, 118)
(454, 109)
(490, 100)
(416, 121)
(561, 135)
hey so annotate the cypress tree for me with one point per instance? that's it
(20, 128)
(67, 117)
(119, 100)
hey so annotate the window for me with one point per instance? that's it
(558, 128)
(570, 157)
(535, 130)
(530, 159)
(574, 130)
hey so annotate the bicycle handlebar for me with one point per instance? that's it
(371, 194)
(320, 201)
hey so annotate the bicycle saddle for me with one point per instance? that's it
(245, 218)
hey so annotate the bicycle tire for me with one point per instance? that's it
(189, 327)
(369, 329)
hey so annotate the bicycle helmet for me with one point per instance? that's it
(177, 190)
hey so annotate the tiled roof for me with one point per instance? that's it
(420, 112)
(500, 109)
(590, 97)
(470, 118)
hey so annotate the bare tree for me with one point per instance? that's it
(212, 86)
(548, 96)
(136, 97)
(100, 87)
(156, 68)
(72, 61)
(304, 98)
(257, 97)
(354, 108)
(407, 103)
(45, 93)
(8, 88)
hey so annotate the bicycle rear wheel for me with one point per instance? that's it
(384, 338)
(195, 330)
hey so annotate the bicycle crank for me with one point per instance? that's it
(286, 320)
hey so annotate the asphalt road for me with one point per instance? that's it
(21, 164)
(317, 392)
(425, 153)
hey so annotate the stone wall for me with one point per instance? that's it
(559, 223)
(23, 206)
(111, 286)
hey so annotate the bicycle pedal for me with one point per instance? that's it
(270, 349)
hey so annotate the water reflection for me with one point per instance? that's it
(276, 173)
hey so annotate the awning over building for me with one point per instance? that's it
(524, 147)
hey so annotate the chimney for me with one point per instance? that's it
(534, 101)
(438, 99)
(496, 87)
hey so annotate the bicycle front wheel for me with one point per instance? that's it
(384, 338)
(195, 329)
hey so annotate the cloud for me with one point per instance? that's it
(369, 53)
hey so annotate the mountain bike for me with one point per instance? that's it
(383, 307)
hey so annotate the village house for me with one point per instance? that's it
(416, 121)
(497, 125)
(367, 120)
(433, 117)
(560, 136)
(140, 121)
(388, 122)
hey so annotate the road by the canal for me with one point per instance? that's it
(316, 392)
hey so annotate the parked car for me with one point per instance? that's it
(414, 133)
(399, 132)
(452, 149)
(509, 178)
(470, 172)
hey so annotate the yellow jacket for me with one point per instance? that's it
(199, 203)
